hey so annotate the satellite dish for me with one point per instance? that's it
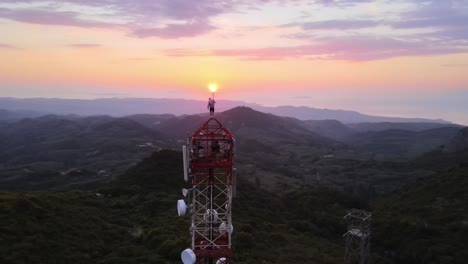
(181, 207)
(221, 261)
(209, 213)
(223, 228)
(185, 192)
(188, 257)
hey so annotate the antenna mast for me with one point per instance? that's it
(358, 237)
(208, 161)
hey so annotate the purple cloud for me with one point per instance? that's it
(444, 22)
(340, 24)
(436, 8)
(43, 17)
(335, 24)
(449, 24)
(175, 30)
(141, 14)
(175, 18)
(343, 3)
(449, 18)
(189, 18)
(200, 9)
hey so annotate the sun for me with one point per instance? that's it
(213, 87)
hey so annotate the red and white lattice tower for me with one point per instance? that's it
(208, 161)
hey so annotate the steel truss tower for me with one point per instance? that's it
(208, 161)
(358, 237)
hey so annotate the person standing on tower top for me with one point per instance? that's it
(211, 105)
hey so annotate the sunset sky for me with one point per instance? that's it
(395, 58)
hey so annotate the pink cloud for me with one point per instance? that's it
(344, 48)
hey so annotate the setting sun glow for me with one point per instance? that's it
(213, 87)
(395, 58)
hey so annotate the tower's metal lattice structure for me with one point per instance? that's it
(358, 237)
(209, 169)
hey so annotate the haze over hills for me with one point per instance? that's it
(401, 144)
(131, 106)
(7, 115)
(61, 150)
(273, 149)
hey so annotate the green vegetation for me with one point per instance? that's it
(427, 222)
(133, 220)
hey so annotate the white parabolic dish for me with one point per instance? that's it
(181, 207)
(223, 228)
(221, 261)
(209, 213)
(188, 256)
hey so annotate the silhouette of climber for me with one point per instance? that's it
(199, 150)
(211, 105)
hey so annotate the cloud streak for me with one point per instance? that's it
(7, 46)
(343, 48)
(335, 24)
(175, 30)
(43, 17)
(459, 65)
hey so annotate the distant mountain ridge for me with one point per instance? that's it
(38, 152)
(131, 106)
(6, 115)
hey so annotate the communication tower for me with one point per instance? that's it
(358, 237)
(208, 168)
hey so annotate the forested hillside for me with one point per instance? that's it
(133, 220)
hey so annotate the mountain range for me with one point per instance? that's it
(129, 106)
(274, 150)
